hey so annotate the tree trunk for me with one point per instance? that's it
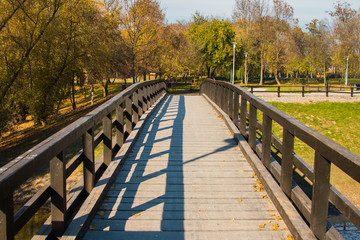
(325, 81)
(105, 87)
(262, 66)
(276, 77)
(73, 100)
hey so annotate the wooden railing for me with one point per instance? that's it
(126, 107)
(306, 89)
(243, 108)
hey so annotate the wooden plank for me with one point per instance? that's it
(176, 235)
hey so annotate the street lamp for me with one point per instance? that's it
(246, 80)
(233, 71)
(347, 71)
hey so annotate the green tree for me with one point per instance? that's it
(214, 39)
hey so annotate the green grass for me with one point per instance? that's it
(337, 121)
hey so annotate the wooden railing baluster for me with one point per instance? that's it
(89, 160)
(58, 197)
(128, 117)
(266, 140)
(107, 141)
(252, 126)
(120, 125)
(236, 109)
(6, 215)
(140, 102)
(243, 113)
(320, 196)
(287, 162)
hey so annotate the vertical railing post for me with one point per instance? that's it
(252, 126)
(58, 196)
(352, 92)
(135, 109)
(327, 90)
(243, 116)
(303, 91)
(236, 109)
(320, 196)
(120, 125)
(89, 160)
(107, 141)
(230, 103)
(278, 91)
(128, 117)
(217, 94)
(223, 98)
(152, 94)
(140, 102)
(148, 93)
(6, 215)
(266, 140)
(145, 98)
(287, 162)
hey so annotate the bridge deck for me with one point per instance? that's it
(186, 179)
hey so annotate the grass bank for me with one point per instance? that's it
(337, 121)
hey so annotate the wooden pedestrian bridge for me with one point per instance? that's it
(182, 167)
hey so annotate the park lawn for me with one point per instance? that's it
(338, 121)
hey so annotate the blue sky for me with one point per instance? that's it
(304, 10)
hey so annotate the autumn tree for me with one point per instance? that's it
(346, 34)
(254, 29)
(283, 15)
(140, 22)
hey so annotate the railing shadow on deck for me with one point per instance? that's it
(117, 116)
(124, 207)
(242, 109)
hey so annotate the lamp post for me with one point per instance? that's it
(347, 71)
(233, 71)
(246, 80)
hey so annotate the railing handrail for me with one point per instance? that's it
(326, 152)
(51, 150)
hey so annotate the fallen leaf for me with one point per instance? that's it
(239, 200)
(289, 237)
(262, 226)
(264, 197)
(272, 215)
(137, 214)
(241, 170)
(92, 227)
(253, 175)
(274, 227)
(278, 218)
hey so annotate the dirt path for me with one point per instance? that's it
(309, 97)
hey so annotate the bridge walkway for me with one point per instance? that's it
(186, 178)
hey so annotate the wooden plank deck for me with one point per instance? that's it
(186, 179)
